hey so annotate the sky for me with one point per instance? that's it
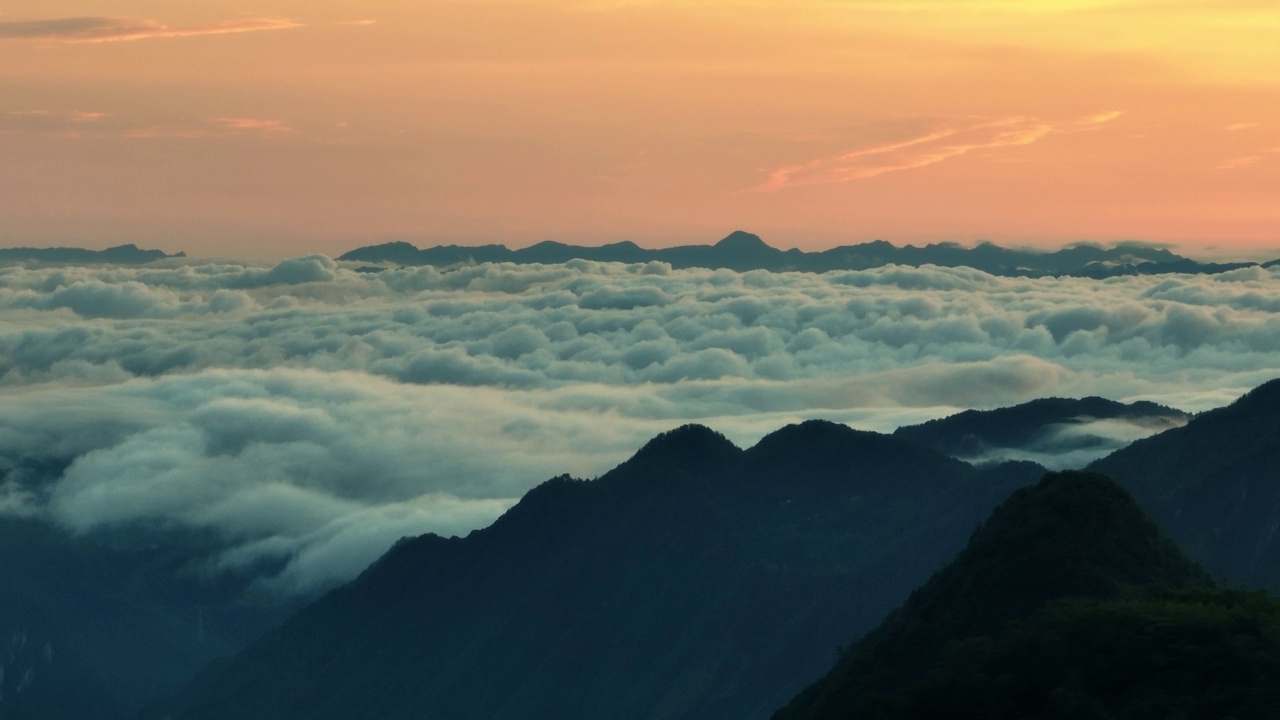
(274, 128)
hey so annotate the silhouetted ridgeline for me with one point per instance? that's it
(122, 255)
(1067, 603)
(743, 251)
(1059, 428)
(695, 580)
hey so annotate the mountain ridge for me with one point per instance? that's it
(128, 254)
(684, 565)
(744, 251)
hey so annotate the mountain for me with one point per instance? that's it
(1214, 486)
(1151, 654)
(744, 251)
(121, 255)
(695, 580)
(1056, 432)
(1073, 535)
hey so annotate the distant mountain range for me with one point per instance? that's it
(740, 251)
(743, 251)
(120, 255)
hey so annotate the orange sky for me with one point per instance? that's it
(277, 127)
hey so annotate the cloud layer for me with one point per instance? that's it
(307, 414)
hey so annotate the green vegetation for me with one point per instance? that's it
(1149, 655)
(1074, 535)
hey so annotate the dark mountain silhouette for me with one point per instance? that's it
(1214, 486)
(695, 580)
(1047, 428)
(120, 255)
(1074, 535)
(743, 251)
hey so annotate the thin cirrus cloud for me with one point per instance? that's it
(103, 29)
(929, 148)
(1239, 162)
(254, 125)
(80, 123)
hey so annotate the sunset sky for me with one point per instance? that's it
(278, 127)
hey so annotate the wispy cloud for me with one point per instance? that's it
(1242, 126)
(1239, 162)
(935, 146)
(103, 29)
(259, 125)
(80, 124)
(50, 122)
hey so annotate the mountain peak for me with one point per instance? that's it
(691, 448)
(740, 241)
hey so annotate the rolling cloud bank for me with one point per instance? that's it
(307, 415)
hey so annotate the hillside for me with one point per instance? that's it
(1214, 486)
(1073, 535)
(1151, 654)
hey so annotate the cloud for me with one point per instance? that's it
(306, 415)
(1239, 162)
(943, 143)
(1077, 443)
(103, 29)
(254, 125)
(81, 124)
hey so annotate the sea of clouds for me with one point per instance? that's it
(308, 414)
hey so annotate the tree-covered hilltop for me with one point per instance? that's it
(1151, 654)
(1073, 535)
(696, 580)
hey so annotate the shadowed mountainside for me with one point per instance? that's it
(91, 629)
(743, 251)
(695, 580)
(1214, 486)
